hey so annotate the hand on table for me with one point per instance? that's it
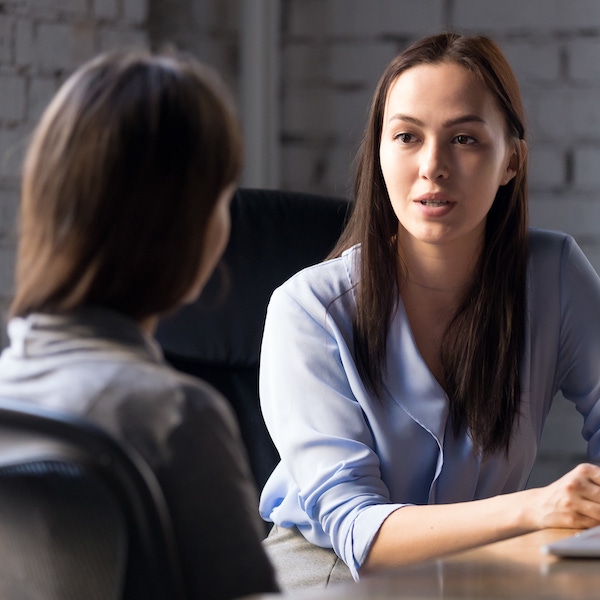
(573, 501)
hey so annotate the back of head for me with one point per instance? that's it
(120, 179)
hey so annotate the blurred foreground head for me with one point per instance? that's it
(120, 181)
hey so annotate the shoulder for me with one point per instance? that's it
(159, 400)
(544, 242)
(324, 282)
(550, 251)
(195, 395)
(560, 275)
(554, 250)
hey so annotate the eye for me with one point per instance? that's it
(464, 140)
(405, 138)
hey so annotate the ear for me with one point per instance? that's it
(516, 158)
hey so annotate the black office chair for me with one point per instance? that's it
(81, 514)
(274, 234)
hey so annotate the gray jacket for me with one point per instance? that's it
(99, 364)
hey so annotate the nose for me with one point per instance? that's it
(433, 162)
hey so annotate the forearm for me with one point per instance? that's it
(414, 533)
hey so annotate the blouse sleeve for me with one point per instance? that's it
(578, 369)
(309, 390)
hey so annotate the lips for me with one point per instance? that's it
(434, 205)
(434, 202)
(434, 199)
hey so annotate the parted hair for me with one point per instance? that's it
(483, 344)
(120, 178)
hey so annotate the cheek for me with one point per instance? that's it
(489, 181)
(390, 169)
(397, 165)
(217, 236)
(222, 231)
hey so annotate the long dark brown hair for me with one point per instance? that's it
(121, 177)
(482, 346)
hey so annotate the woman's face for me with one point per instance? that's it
(444, 152)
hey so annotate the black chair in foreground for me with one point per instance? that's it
(274, 234)
(81, 514)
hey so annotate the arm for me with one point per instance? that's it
(328, 446)
(424, 532)
(578, 365)
(330, 440)
(571, 502)
(329, 480)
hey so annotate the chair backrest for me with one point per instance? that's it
(81, 514)
(274, 234)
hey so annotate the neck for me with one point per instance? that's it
(435, 286)
(149, 325)
(446, 268)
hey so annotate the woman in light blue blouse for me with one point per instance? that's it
(406, 381)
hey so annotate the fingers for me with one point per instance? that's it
(584, 481)
(590, 490)
(589, 471)
(578, 500)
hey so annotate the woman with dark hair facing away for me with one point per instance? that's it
(405, 382)
(124, 215)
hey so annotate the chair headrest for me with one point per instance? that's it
(274, 234)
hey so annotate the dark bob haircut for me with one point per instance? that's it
(120, 179)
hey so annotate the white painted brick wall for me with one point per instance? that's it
(135, 12)
(358, 18)
(533, 61)
(12, 144)
(547, 168)
(6, 24)
(351, 109)
(359, 65)
(566, 114)
(413, 18)
(354, 18)
(23, 43)
(54, 8)
(526, 16)
(576, 214)
(309, 19)
(40, 90)
(105, 9)
(12, 98)
(208, 29)
(54, 46)
(9, 202)
(308, 62)
(587, 169)
(584, 61)
(111, 38)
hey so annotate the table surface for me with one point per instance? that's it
(514, 568)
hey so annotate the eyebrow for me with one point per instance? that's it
(470, 118)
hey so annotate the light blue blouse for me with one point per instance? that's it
(348, 459)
